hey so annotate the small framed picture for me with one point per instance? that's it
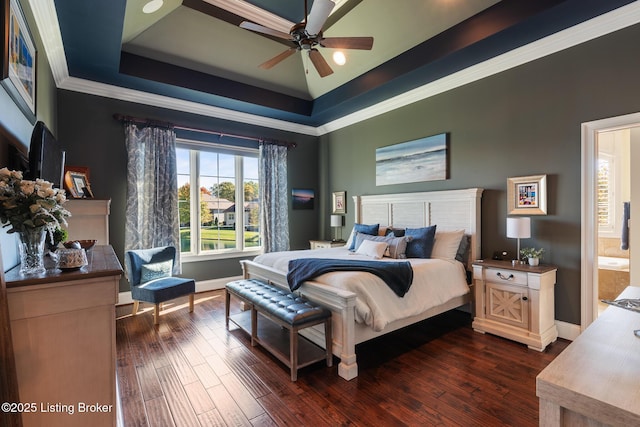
(527, 195)
(302, 198)
(76, 182)
(340, 202)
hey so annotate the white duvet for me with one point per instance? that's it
(435, 281)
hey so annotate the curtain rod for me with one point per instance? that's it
(160, 123)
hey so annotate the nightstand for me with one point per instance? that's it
(324, 244)
(515, 302)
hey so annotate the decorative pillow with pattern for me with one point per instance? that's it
(156, 270)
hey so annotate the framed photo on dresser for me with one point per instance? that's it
(76, 182)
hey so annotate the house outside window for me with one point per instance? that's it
(213, 180)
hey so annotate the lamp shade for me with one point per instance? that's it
(519, 227)
(336, 220)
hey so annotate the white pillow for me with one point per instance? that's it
(445, 245)
(373, 249)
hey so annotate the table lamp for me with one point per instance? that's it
(519, 228)
(336, 222)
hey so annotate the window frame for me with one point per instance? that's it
(196, 253)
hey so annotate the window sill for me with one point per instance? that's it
(220, 255)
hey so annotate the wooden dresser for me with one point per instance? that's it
(64, 340)
(595, 380)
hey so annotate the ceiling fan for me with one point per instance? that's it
(307, 35)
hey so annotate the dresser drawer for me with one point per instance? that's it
(506, 276)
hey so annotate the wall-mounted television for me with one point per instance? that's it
(46, 156)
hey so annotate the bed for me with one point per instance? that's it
(449, 210)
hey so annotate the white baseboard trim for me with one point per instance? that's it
(124, 298)
(567, 331)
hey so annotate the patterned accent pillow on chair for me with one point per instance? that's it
(156, 270)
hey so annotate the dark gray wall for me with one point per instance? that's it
(93, 138)
(524, 121)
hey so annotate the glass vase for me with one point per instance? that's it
(31, 242)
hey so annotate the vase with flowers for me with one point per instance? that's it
(33, 209)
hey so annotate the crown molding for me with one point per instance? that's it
(47, 22)
(146, 98)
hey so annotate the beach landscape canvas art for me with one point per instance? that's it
(423, 159)
(302, 198)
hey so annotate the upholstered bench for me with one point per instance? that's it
(285, 309)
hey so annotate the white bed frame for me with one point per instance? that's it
(450, 210)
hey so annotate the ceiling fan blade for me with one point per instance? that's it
(264, 30)
(319, 62)
(278, 58)
(319, 13)
(363, 43)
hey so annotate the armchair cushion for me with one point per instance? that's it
(163, 289)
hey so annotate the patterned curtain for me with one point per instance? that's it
(273, 197)
(152, 189)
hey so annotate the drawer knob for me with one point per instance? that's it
(525, 299)
(503, 277)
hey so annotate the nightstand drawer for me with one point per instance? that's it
(510, 277)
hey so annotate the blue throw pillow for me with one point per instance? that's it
(422, 243)
(371, 229)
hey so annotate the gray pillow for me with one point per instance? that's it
(396, 246)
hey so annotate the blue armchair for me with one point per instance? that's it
(149, 272)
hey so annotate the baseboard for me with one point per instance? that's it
(124, 298)
(567, 331)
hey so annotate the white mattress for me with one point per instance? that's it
(435, 281)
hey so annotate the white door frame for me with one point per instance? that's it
(589, 245)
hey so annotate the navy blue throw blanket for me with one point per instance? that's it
(397, 275)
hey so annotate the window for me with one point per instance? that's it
(605, 196)
(218, 199)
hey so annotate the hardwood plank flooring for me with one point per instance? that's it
(191, 371)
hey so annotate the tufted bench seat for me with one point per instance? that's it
(287, 310)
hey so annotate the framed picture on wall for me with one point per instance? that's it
(302, 198)
(339, 202)
(527, 195)
(18, 74)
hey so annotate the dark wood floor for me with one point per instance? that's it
(191, 371)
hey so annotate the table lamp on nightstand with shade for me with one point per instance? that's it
(336, 222)
(519, 228)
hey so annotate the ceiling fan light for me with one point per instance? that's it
(339, 58)
(152, 6)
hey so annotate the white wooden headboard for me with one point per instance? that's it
(448, 209)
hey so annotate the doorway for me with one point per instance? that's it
(591, 132)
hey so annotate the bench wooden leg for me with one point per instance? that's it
(254, 326)
(293, 353)
(191, 297)
(328, 341)
(227, 303)
(136, 306)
